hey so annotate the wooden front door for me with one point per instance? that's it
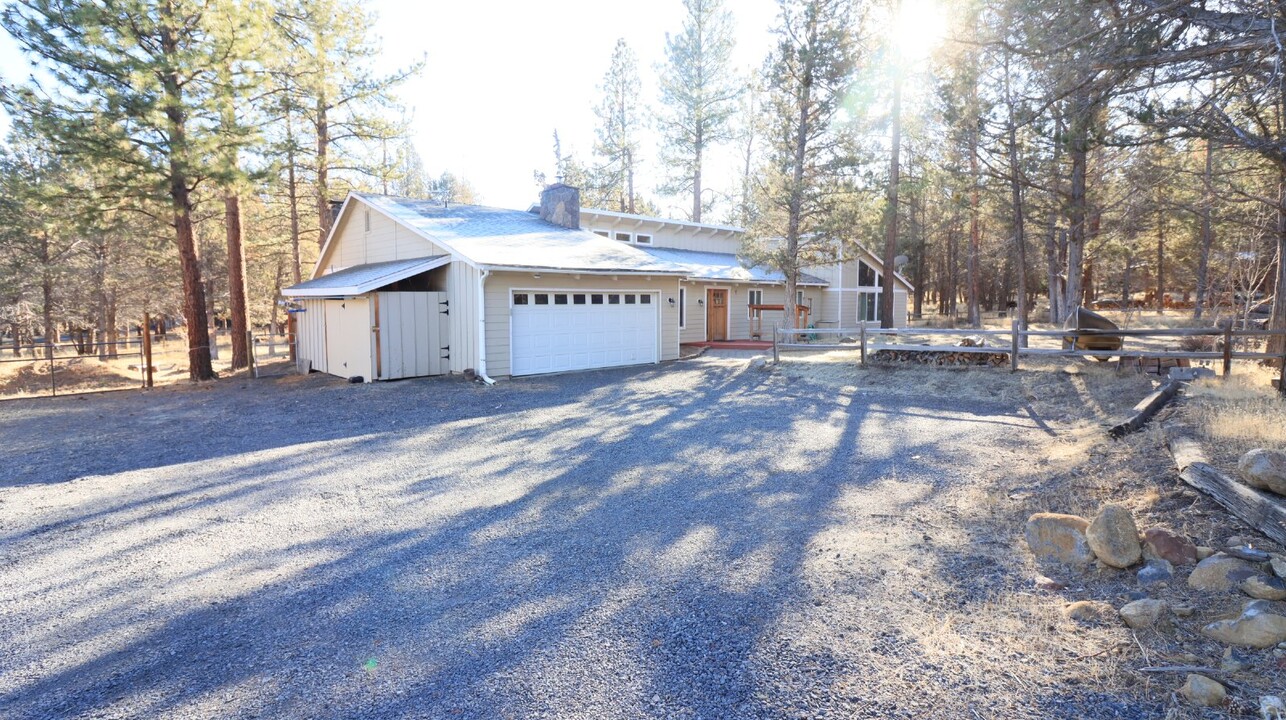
(716, 314)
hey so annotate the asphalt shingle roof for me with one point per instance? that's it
(364, 278)
(722, 266)
(514, 238)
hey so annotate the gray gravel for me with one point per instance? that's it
(693, 540)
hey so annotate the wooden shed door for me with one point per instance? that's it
(716, 314)
(413, 334)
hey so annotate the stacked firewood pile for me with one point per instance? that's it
(943, 357)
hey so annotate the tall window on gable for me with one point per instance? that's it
(753, 297)
(368, 221)
(683, 307)
(866, 275)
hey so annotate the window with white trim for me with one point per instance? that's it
(683, 307)
(604, 233)
(623, 236)
(643, 239)
(868, 306)
(753, 297)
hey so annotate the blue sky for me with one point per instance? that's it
(501, 75)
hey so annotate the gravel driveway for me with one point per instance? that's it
(701, 539)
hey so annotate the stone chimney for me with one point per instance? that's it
(560, 205)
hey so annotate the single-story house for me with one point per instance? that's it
(407, 288)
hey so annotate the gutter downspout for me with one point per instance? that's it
(482, 329)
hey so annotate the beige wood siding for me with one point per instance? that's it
(739, 325)
(349, 340)
(386, 240)
(310, 331)
(412, 334)
(500, 286)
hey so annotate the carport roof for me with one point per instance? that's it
(723, 266)
(361, 279)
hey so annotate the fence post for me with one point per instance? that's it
(863, 336)
(53, 379)
(250, 354)
(1281, 378)
(147, 351)
(776, 358)
(1227, 351)
(1013, 341)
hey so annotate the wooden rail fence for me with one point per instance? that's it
(868, 340)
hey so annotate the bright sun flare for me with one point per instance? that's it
(918, 28)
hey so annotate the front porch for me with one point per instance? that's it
(731, 344)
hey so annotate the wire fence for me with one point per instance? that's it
(272, 354)
(1016, 343)
(47, 361)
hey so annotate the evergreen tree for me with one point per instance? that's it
(619, 125)
(137, 84)
(809, 74)
(698, 96)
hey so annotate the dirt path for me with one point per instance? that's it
(696, 540)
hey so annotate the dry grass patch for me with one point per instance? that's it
(1236, 415)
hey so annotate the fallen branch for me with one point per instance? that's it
(1146, 408)
(1251, 506)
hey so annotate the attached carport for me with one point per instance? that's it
(380, 321)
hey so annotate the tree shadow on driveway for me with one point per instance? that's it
(621, 544)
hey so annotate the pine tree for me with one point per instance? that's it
(619, 125)
(136, 87)
(698, 96)
(809, 76)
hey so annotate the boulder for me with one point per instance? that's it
(1264, 587)
(1271, 707)
(1114, 537)
(1256, 627)
(1264, 469)
(1219, 573)
(1165, 544)
(1058, 538)
(1156, 571)
(1205, 551)
(1203, 692)
(1142, 614)
(1094, 612)
(1279, 566)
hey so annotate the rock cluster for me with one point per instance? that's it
(1112, 540)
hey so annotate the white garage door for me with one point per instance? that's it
(560, 330)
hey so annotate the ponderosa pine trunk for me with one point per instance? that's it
(975, 236)
(1078, 151)
(236, 282)
(696, 178)
(1207, 235)
(1277, 344)
(322, 128)
(891, 225)
(1160, 297)
(194, 314)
